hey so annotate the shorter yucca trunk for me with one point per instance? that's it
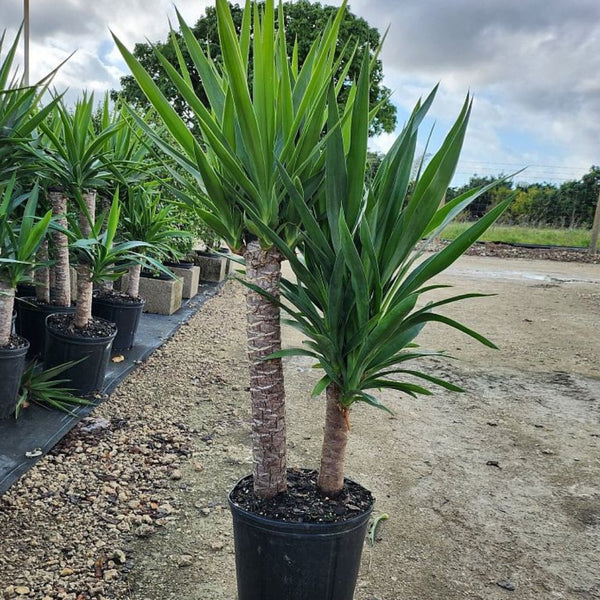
(83, 312)
(42, 275)
(133, 281)
(61, 285)
(263, 269)
(7, 303)
(335, 438)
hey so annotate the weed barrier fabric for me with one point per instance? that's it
(27, 439)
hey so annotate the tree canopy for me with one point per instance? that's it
(570, 204)
(304, 21)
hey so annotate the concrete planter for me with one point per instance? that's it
(212, 267)
(162, 296)
(190, 277)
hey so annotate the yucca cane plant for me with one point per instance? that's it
(360, 273)
(20, 238)
(73, 158)
(145, 218)
(21, 234)
(20, 110)
(262, 111)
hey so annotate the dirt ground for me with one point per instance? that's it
(490, 494)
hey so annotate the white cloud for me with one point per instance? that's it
(532, 66)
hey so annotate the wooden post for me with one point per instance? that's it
(595, 228)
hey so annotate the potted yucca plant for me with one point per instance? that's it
(20, 238)
(74, 158)
(355, 298)
(146, 227)
(20, 114)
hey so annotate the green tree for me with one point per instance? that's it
(304, 21)
(242, 154)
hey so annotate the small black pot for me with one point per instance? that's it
(61, 347)
(125, 314)
(182, 264)
(31, 322)
(277, 560)
(25, 289)
(12, 365)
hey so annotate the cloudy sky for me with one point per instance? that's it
(532, 65)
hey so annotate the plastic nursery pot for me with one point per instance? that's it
(126, 316)
(12, 364)
(277, 560)
(61, 347)
(31, 322)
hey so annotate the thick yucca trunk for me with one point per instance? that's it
(83, 312)
(61, 293)
(7, 303)
(133, 281)
(42, 275)
(263, 269)
(335, 438)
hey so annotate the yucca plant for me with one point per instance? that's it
(20, 110)
(146, 219)
(73, 158)
(42, 387)
(20, 238)
(262, 111)
(358, 280)
(106, 258)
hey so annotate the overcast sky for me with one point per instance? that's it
(532, 65)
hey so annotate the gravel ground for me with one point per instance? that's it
(495, 484)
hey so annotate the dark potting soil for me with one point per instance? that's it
(117, 296)
(15, 341)
(95, 328)
(302, 502)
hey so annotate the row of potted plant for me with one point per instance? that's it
(76, 157)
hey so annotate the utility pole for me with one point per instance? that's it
(595, 228)
(26, 41)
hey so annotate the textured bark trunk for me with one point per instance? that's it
(335, 438)
(61, 293)
(7, 304)
(263, 269)
(107, 286)
(83, 312)
(42, 275)
(133, 281)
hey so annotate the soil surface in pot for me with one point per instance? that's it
(303, 503)
(15, 341)
(117, 296)
(95, 328)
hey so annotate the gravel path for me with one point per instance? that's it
(68, 527)
(131, 505)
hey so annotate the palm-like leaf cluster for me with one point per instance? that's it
(360, 276)
(73, 152)
(248, 127)
(20, 234)
(19, 112)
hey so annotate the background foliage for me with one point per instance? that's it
(305, 20)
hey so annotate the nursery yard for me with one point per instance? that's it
(494, 493)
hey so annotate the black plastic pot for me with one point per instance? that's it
(126, 316)
(277, 560)
(12, 364)
(31, 322)
(25, 289)
(182, 264)
(61, 347)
